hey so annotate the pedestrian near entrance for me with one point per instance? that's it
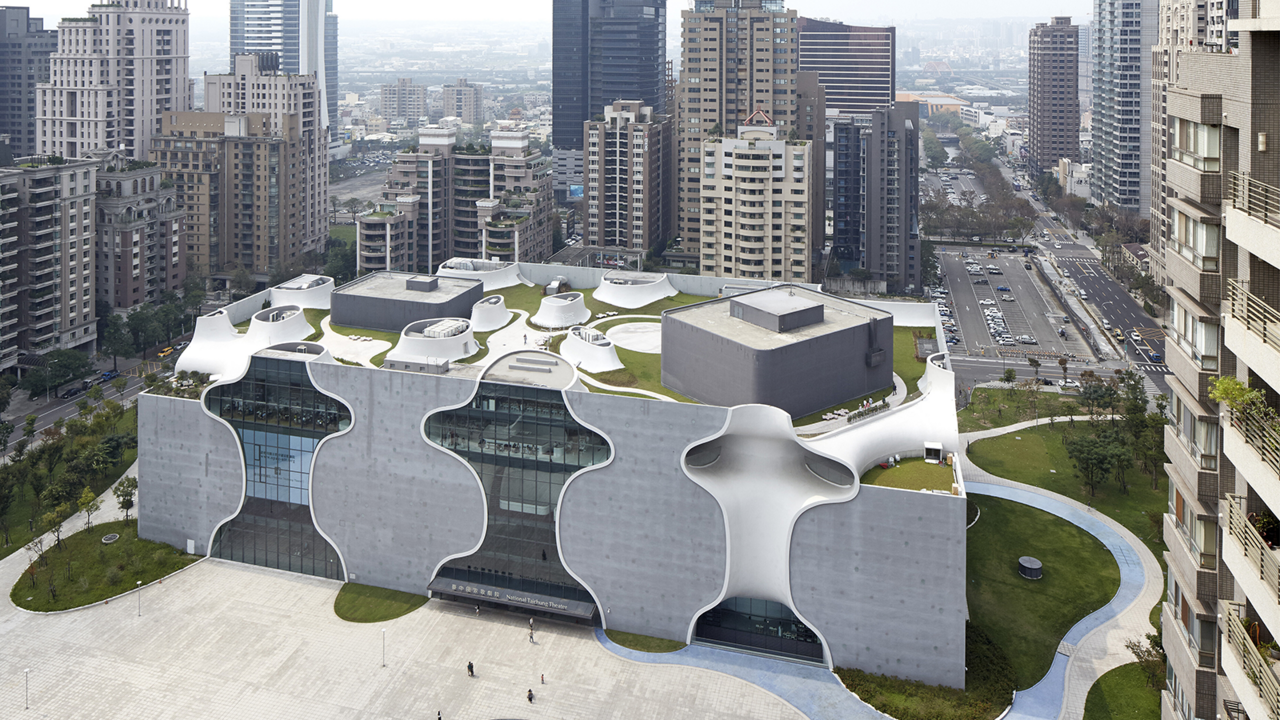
(477, 611)
(542, 679)
(531, 623)
(530, 635)
(471, 669)
(530, 696)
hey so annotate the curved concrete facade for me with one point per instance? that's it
(217, 349)
(594, 355)
(631, 290)
(416, 343)
(305, 291)
(652, 552)
(413, 505)
(490, 314)
(561, 311)
(494, 274)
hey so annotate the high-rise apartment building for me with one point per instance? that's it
(464, 101)
(405, 99)
(140, 248)
(854, 64)
(873, 193)
(1084, 62)
(1053, 94)
(246, 186)
(739, 56)
(761, 204)
(1123, 33)
(443, 201)
(115, 72)
(46, 254)
(24, 62)
(628, 167)
(299, 32)
(602, 51)
(294, 104)
(1215, 174)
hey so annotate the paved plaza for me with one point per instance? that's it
(224, 639)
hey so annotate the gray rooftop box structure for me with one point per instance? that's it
(786, 346)
(391, 300)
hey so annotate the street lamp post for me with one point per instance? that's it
(139, 598)
(384, 647)
(26, 693)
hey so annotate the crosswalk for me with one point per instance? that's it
(1153, 368)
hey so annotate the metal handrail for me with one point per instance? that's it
(1257, 669)
(1256, 551)
(1260, 433)
(1258, 199)
(1258, 317)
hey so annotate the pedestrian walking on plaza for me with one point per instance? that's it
(530, 696)
(530, 634)
(477, 611)
(471, 670)
(531, 624)
(526, 339)
(543, 678)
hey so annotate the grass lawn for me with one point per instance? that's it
(483, 339)
(366, 603)
(988, 687)
(992, 407)
(529, 299)
(905, 366)
(911, 474)
(314, 317)
(605, 325)
(1041, 450)
(345, 233)
(97, 571)
(643, 643)
(1026, 618)
(643, 370)
(1123, 694)
(391, 337)
(21, 510)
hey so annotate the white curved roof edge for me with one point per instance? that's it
(762, 492)
(487, 316)
(561, 311)
(587, 356)
(506, 277)
(418, 348)
(633, 296)
(218, 350)
(317, 298)
(902, 430)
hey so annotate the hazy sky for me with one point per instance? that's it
(213, 12)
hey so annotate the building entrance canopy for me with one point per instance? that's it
(489, 593)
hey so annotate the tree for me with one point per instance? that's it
(1035, 365)
(61, 366)
(119, 384)
(1009, 377)
(340, 263)
(1031, 388)
(6, 430)
(53, 521)
(124, 492)
(143, 328)
(6, 395)
(1092, 459)
(89, 504)
(29, 426)
(1150, 657)
(117, 340)
(353, 205)
(1121, 461)
(95, 393)
(1062, 363)
(242, 282)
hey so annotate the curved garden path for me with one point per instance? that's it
(1095, 645)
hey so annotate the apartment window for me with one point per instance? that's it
(1200, 437)
(1196, 145)
(1201, 635)
(1196, 241)
(1196, 338)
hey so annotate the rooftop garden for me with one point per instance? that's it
(912, 474)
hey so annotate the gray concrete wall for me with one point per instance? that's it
(392, 314)
(190, 472)
(644, 537)
(882, 578)
(394, 506)
(800, 378)
(584, 277)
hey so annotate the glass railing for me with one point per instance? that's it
(1255, 668)
(1258, 317)
(1258, 199)
(1261, 557)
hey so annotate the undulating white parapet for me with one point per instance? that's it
(490, 314)
(590, 350)
(561, 311)
(764, 478)
(217, 349)
(631, 290)
(305, 291)
(494, 274)
(443, 338)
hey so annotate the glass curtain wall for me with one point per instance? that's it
(761, 625)
(524, 445)
(280, 418)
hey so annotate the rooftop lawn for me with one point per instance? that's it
(1028, 618)
(643, 643)
(529, 299)
(1123, 694)
(911, 474)
(643, 370)
(997, 407)
(97, 571)
(391, 337)
(1031, 455)
(366, 603)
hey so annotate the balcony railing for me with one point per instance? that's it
(1257, 669)
(1257, 316)
(1260, 556)
(1260, 433)
(1258, 199)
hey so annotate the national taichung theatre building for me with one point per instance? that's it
(472, 467)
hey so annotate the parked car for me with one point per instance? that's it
(1003, 288)
(70, 393)
(1069, 383)
(982, 281)
(1007, 298)
(165, 352)
(108, 376)
(1156, 358)
(986, 301)
(1134, 336)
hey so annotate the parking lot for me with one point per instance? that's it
(1026, 307)
(957, 189)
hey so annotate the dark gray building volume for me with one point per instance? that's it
(854, 64)
(24, 62)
